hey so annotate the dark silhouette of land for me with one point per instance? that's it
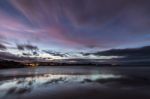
(4, 64)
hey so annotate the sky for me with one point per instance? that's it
(60, 29)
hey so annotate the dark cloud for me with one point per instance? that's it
(13, 57)
(127, 55)
(26, 54)
(31, 47)
(35, 53)
(53, 53)
(27, 47)
(2, 47)
(9, 56)
(6, 55)
(144, 51)
(20, 47)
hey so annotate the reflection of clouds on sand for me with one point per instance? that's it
(25, 84)
(16, 90)
(57, 83)
(122, 81)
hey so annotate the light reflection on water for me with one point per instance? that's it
(46, 80)
(26, 80)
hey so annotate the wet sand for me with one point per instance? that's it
(75, 85)
(80, 91)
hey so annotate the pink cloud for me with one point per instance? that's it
(12, 28)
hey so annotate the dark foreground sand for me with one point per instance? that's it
(30, 85)
(60, 88)
(81, 91)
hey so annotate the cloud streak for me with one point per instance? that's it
(67, 21)
(73, 25)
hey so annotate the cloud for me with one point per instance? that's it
(27, 47)
(2, 47)
(14, 29)
(9, 56)
(31, 47)
(20, 47)
(88, 22)
(126, 55)
(26, 54)
(53, 53)
(143, 51)
(13, 57)
(85, 12)
(70, 24)
(88, 11)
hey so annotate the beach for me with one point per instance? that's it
(75, 83)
